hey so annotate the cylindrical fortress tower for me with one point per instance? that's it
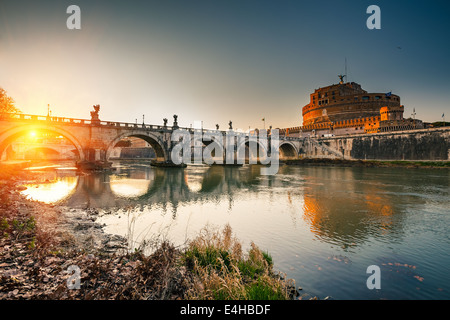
(346, 101)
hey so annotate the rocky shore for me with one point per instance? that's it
(58, 253)
(42, 247)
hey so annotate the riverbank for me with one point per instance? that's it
(53, 252)
(370, 163)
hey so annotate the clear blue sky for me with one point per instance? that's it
(217, 60)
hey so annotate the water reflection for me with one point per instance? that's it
(302, 213)
(144, 185)
(345, 208)
(131, 184)
(339, 204)
(53, 190)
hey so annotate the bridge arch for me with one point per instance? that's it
(8, 136)
(288, 150)
(249, 153)
(46, 152)
(149, 137)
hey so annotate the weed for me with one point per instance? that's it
(32, 243)
(222, 272)
(4, 225)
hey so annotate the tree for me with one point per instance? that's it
(7, 103)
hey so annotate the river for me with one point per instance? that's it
(323, 226)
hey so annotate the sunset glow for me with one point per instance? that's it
(253, 150)
(212, 61)
(129, 188)
(51, 192)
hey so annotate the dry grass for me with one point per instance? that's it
(223, 272)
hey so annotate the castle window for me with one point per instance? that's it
(377, 97)
(365, 98)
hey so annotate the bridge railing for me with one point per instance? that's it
(38, 118)
(75, 121)
(85, 122)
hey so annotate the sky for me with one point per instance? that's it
(216, 60)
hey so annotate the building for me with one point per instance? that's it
(346, 108)
(133, 148)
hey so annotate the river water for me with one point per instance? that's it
(323, 226)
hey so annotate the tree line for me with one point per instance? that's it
(7, 104)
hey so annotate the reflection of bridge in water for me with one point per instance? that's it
(340, 205)
(159, 186)
(359, 210)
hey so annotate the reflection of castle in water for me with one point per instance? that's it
(344, 208)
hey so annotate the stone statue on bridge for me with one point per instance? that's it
(94, 114)
(217, 127)
(175, 123)
(165, 122)
(230, 124)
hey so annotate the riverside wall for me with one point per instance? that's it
(423, 144)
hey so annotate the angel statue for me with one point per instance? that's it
(94, 114)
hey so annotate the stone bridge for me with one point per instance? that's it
(94, 139)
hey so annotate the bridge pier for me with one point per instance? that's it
(95, 159)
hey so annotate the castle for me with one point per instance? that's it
(345, 109)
